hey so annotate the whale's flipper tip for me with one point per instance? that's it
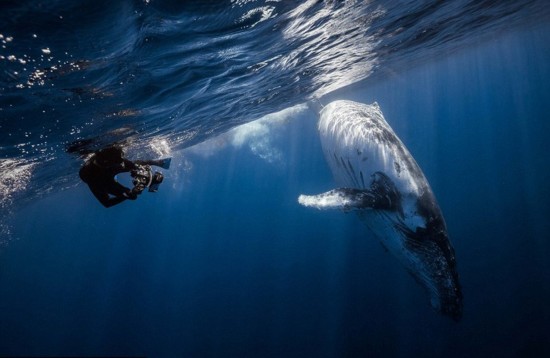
(349, 199)
(321, 201)
(333, 199)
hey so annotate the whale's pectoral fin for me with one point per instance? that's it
(382, 195)
(342, 198)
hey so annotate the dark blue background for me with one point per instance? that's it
(223, 262)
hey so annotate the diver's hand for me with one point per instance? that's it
(130, 195)
(138, 189)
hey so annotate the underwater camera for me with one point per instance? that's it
(155, 182)
(143, 177)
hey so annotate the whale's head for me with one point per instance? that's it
(357, 142)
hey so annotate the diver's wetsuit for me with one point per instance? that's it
(99, 173)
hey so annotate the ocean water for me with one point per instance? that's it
(223, 261)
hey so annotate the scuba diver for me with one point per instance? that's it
(100, 170)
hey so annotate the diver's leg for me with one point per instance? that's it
(117, 189)
(103, 197)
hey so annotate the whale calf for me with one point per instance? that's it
(380, 180)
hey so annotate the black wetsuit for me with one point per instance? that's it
(100, 170)
(99, 174)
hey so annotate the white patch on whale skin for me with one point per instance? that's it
(329, 200)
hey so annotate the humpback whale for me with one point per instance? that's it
(380, 180)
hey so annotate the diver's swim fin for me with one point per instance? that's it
(165, 163)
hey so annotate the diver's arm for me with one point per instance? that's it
(129, 165)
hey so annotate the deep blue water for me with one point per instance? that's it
(222, 261)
